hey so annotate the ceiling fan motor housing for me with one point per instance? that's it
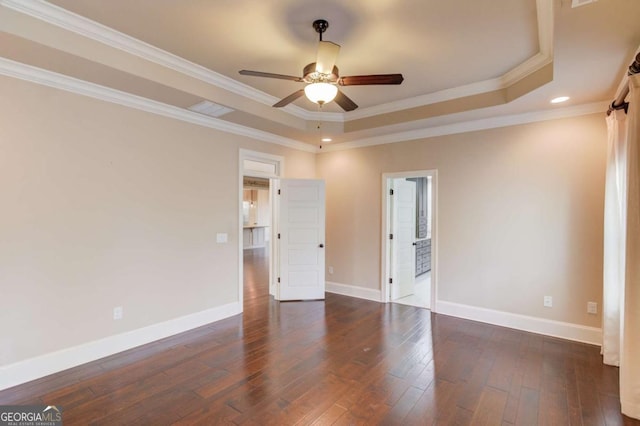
(309, 75)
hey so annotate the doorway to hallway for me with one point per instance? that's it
(256, 237)
(291, 227)
(256, 171)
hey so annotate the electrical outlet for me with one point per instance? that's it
(331, 269)
(592, 308)
(117, 313)
(548, 302)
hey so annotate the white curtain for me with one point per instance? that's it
(630, 313)
(615, 215)
(621, 299)
(615, 203)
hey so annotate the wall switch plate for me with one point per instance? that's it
(592, 308)
(117, 313)
(222, 238)
(331, 269)
(548, 302)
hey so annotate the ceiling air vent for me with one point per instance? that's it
(576, 3)
(210, 109)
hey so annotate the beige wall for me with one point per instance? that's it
(520, 214)
(106, 206)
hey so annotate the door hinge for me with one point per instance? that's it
(390, 281)
(278, 236)
(278, 279)
(391, 192)
(391, 236)
(278, 192)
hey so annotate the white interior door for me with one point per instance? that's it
(403, 225)
(274, 246)
(300, 225)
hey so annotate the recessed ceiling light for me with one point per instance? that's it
(559, 99)
(326, 139)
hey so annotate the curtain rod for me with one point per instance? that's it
(618, 102)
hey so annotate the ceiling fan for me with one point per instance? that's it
(323, 79)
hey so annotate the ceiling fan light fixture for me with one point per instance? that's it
(320, 93)
(322, 76)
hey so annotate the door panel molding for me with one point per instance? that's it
(301, 226)
(403, 227)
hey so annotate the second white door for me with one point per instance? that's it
(300, 244)
(403, 253)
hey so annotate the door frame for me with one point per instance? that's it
(276, 171)
(385, 247)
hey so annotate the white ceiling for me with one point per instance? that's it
(435, 44)
(446, 50)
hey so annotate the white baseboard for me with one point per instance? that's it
(630, 408)
(37, 367)
(564, 330)
(354, 291)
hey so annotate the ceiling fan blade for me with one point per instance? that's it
(327, 55)
(270, 75)
(292, 97)
(345, 102)
(361, 80)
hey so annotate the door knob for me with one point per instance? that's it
(321, 246)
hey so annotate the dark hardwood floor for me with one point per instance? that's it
(342, 361)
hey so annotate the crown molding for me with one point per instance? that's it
(48, 78)
(81, 87)
(471, 126)
(70, 21)
(624, 81)
(428, 99)
(85, 27)
(336, 117)
(544, 9)
(544, 13)
(93, 30)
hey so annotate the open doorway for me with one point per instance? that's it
(256, 236)
(255, 242)
(409, 203)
